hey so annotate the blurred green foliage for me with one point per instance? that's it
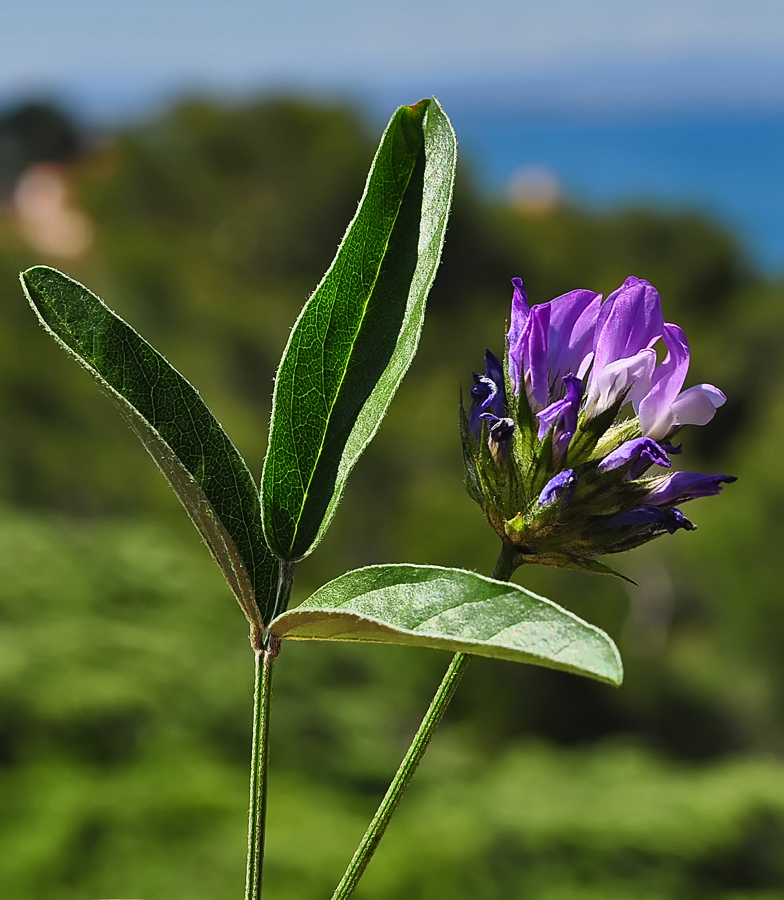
(125, 674)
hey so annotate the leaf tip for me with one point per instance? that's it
(420, 108)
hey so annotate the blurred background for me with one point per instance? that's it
(196, 164)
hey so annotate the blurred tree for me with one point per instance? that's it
(32, 133)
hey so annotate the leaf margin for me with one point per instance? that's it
(356, 443)
(208, 523)
(282, 626)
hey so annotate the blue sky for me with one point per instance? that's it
(610, 52)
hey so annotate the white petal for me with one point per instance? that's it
(659, 428)
(697, 405)
(584, 365)
(610, 382)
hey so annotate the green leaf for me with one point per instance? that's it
(358, 333)
(172, 421)
(428, 606)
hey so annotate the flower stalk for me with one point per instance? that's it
(403, 776)
(427, 729)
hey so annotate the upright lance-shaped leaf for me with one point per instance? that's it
(172, 421)
(452, 609)
(358, 333)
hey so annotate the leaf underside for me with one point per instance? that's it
(358, 333)
(452, 609)
(200, 462)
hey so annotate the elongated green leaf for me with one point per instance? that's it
(428, 606)
(358, 333)
(183, 437)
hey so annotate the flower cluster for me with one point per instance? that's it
(564, 447)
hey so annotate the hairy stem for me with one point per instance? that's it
(266, 649)
(257, 816)
(364, 853)
(403, 777)
(505, 564)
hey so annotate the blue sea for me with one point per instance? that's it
(728, 167)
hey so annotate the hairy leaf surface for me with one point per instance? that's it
(358, 333)
(181, 434)
(452, 609)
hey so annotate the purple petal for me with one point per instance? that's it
(535, 368)
(550, 415)
(487, 394)
(483, 395)
(655, 408)
(641, 452)
(567, 424)
(561, 487)
(495, 372)
(637, 518)
(682, 486)
(562, 415)
(493, 368)
(570, 339)
(520, 313)
(641, 516)
(630, 320)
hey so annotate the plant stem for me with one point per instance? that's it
(266, 649)
(505, 564)
(502, 571)
(257, 816)
(403, 777)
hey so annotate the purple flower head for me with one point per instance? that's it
(593, 407)
(640, 452)
(562, 415)
(561, 487)
(487, 394)
(682, 486)
(651, 516)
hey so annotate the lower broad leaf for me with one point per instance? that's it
(452, 609)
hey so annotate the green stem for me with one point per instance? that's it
(266, 649)
(364, 853)
(257, 816)
(403, 777)
(505, 565)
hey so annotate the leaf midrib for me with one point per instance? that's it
(65, 328)
(438, 636)
(451, 608)
(382, 256)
